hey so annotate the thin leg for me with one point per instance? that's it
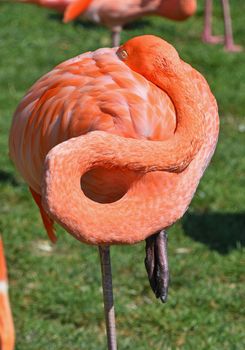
(156, 263)
(229, 42)
(108, 297)
(116, 36)
(207, 36)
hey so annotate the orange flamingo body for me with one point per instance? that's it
(113, 144)
(97, 91)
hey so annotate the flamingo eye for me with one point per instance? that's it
(122, 54)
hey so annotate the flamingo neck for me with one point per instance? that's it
(176, 81)
(185, 96)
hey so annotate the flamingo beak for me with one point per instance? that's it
(156, 263)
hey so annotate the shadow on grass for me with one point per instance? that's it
(138, 24)
(55, 17)
(219, 231)
(6, 177)
(76, 23)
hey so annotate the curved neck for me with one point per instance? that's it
(182, 90)
(177, 82)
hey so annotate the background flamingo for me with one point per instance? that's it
(115, 14)
(207, 33)
(102, 122)
(6, 321)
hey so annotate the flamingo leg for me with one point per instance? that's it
(207, 36)
(229, 42)
(156, 263)
(108, 297)
(116, 36)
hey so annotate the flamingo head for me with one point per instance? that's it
(149, 55)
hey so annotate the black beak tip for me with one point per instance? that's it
(164, 298)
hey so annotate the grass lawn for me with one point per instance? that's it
(55, 291)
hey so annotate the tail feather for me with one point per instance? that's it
(75, 9)
(47, 221)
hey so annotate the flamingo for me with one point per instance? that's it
(112, 144)
(207, 32)
(115, 14)
(7, 336)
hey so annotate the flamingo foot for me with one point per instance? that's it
(156, 263)
(212, 39)
(233, 48)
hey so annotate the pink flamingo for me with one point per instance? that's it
(115, 14)
(113, 144)
(207, 33)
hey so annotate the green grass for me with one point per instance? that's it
(56, 295)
